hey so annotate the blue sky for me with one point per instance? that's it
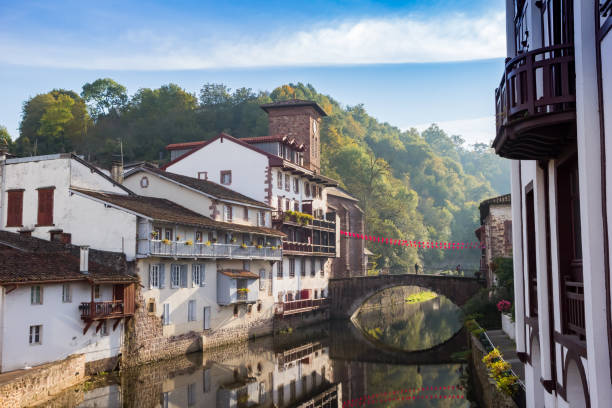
(410, 63)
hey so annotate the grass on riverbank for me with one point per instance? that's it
(421, 297)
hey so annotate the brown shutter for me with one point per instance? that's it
(45, 206)
(15, 209)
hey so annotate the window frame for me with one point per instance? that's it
(44, 216)
(175, 276)
(261, 219)
(191, 311)
(296, 185)
(224, 173)
(66, 293)
(287, 183)
(38, 335)
(96, 291)
(36, 293)
(14, 208)
(279, 182)
(292, 267)
(227, 213)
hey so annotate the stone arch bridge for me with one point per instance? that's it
(348, 294)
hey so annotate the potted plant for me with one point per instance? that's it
(259, 246)
(233, 240)
(166, 241)
(243, 290)
(154, 234)
(207, 243)
(243, 245)
(178, 237)
(508, 326)
(189, 242)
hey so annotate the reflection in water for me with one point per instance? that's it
(389, 320)
(330, 365)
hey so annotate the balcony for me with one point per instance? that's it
(178, 249)
(294, 219)
(102, 310)
(574, 309)
(306, 248)
(300, 306)
(535, 104)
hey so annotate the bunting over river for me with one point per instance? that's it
(415, 244)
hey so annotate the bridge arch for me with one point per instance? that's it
(348, 294)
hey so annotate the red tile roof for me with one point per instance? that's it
(184, 145)
(26, 260)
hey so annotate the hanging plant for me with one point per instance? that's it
(190, 242)
(207, 243)
(154, 234)
(166, 241)
(243, 245)
(259, 246)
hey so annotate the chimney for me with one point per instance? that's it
(117, 172)
(85, 259)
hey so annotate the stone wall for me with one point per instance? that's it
(249, 330)
(351, 261)
(485, 390)
(498, 236)
(145, 341)
(102, 365)
(301, 320)
(27, 387)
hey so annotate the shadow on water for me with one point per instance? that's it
(328, 365)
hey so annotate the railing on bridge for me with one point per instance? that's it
(300, 306)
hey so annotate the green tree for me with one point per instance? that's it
(5, 137)
(104, 96)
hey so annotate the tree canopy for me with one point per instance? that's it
(411, 185)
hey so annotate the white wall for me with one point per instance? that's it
(248, 167)
(62, 331)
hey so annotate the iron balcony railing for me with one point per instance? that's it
(537, 82)
(203, 250)
(299, 306)
(101, 310)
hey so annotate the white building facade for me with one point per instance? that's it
(282, 171)
(554, 113)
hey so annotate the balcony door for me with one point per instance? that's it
(570, 248)
(532, 272)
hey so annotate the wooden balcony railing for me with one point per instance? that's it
(101, 310)
(574, 309)
(299, 306)
(536, 97)
(307, 247)
(284, 217)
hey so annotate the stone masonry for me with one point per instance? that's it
(495, 233)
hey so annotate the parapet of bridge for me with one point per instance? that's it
(348, 294)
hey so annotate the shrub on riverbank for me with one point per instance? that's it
(421, 297)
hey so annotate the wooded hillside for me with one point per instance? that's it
(412, 186)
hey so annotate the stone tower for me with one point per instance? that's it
(301, 120)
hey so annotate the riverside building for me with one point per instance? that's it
(281, 170)
(554, 118)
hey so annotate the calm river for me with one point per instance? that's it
(396, 353)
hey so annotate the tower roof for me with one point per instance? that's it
(293, 103)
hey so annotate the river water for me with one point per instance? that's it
(394, 354)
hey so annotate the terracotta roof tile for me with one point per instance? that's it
(163, 210)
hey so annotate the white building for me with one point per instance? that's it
(282, 171)
(54, 303)
(554, 111)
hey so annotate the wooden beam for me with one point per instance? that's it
(87, 326)
(99, 326)
(116, 324)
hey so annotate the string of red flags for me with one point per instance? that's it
(415, 244)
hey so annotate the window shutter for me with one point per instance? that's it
(14, 209)
(193, 277)
(207, 318)
(202, 275)
(166, 313)
(45, 206)
(162, 275)
(150, 279)
(183, 277)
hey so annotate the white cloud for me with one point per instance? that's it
(410, 39)
(478, 130)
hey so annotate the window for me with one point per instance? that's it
(227, 213)
(261, 220)
(168, 234)
(35, 334)
(281, 395)
(191, 311)
(198, 236)
(307, 189)
(97, 291)
(303, 266)
(191, 395)
(322, 267)
(207, 318)
(203, 175)
(226, 177)
(314, 378)
(151, 306)
(157, 233)
(15, 208)
(166, 314)
(206, 379)
(262, 279)
(246, 265)
(279, 181)
(45, 206)
(197, 275)
(166, 399)
(312, 267)
(178, 276)
(316, 294)
(246, 214)
(156, 276)
(66, 295)
(279, 270)
(296, 185)
(279, 204)
(36, 295)
(104, 329)
(292, 390)
(292, 267)
(287, 182)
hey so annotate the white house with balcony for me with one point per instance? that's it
(282, 171)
